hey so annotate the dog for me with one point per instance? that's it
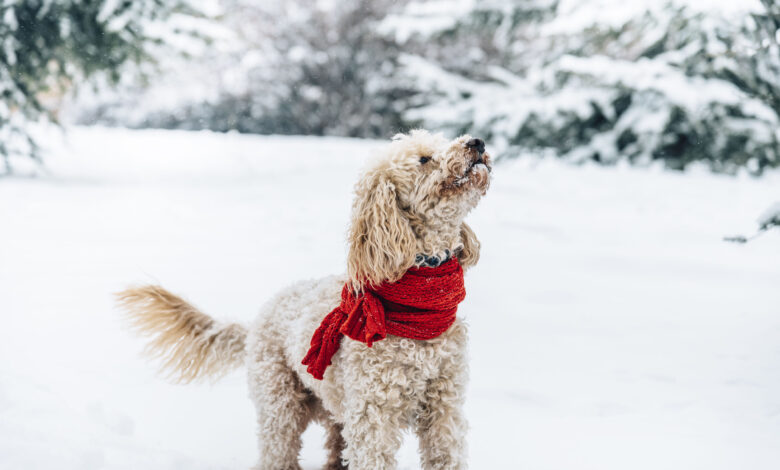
(408, 212)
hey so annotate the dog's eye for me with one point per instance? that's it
(424, 160)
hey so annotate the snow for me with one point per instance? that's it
(576, 15)
(425, 18)
(611, 328)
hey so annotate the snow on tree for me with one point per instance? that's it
(293, 67)
(601, 80)
(48, 46)
(324, 72)
(677, 81)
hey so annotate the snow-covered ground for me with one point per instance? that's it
(612, 328)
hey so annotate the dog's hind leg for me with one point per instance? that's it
(334, 441)
(284, 409)
(335, 446)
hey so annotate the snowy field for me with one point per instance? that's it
(611, 327)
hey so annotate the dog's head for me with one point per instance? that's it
(413, 201)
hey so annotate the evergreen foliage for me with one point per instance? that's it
(315, 68)
(596, 80)
(47, 46)
(664, 82)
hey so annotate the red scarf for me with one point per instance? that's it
(420, 305)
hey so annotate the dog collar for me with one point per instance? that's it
(432, 261)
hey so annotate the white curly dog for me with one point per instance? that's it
(408, 209)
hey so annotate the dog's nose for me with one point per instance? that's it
(476, 144)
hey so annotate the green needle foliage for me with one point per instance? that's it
(49, 46)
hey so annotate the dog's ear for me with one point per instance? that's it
(381, 240)
(469, 254)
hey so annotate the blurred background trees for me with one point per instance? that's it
(46, 46)
(293, 67)
(609, 81)
(319, 69)
(676, 81)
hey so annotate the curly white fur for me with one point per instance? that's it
(404, 205)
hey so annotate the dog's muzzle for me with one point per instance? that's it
(477, 153)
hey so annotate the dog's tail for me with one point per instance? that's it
(191, 345)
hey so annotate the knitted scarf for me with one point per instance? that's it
(420, 305)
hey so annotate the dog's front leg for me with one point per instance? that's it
(441, 425)
(372, 424)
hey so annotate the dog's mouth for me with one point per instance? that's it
(482, 162)
(475, 173)
(479, 166)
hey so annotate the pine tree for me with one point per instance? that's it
(329, 71)
(666, 82)
(47, 46)
(301, 67)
